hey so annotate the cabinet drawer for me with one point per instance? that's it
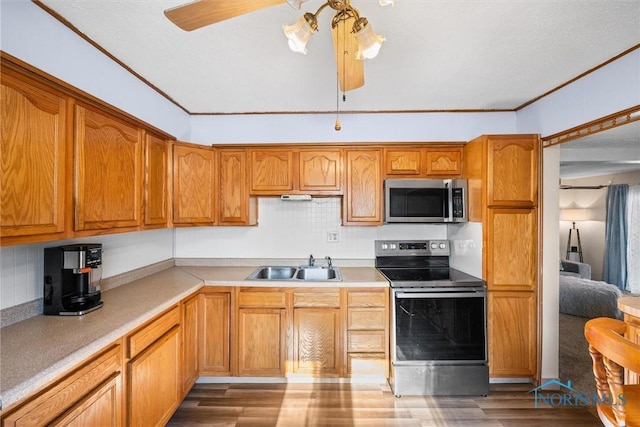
(366, 364)
(316, 299)
(366, 341)
(144, 337)
(262, 299)
(367, 299)
(366, 318)
(55, 400)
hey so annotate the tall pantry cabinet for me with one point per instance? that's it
(503, 182)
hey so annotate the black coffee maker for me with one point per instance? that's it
(72, 276)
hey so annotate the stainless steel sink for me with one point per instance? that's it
(318, 274)
(303, 273)
(273, 273)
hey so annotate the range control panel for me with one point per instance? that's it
(412, 248)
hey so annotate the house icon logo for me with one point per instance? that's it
(558, 398)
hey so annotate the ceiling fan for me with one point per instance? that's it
(353, 37)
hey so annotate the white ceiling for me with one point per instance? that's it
(439, 54)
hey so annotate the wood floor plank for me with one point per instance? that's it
(367, 405)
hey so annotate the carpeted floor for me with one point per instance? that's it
(575, 363)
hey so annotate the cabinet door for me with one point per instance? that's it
(32, 150)
(262, 344)
(512, 170)
(444, 162)
(403, 162)
(320, 171)
(271, 171)
(108, 172)
(633, 335)
(316, 341)
(511, 249)
(512, 334)
(235, 205)
(215, 333)
(156, 183)
(190, 332)
(193, 185)
(102, 407)
(363, 197)
(153, 382)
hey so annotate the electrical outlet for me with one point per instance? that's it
(332, 237)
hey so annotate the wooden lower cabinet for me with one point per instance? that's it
(512, 334)
(632, 334)
(215, 338)
(262, 343)
(89, 396)
(154, 386)
(190, 354)
(316, 341)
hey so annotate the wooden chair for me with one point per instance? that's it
(619, 404)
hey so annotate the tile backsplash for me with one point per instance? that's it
(287, 229)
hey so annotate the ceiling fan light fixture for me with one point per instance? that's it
(300, 32)
(369, 42)
(385, 2)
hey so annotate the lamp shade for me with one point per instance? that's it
(300, 33)
(387, 2)
(297, 3)
(369, 43)
(574, 214)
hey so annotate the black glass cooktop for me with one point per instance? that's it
(428, 277)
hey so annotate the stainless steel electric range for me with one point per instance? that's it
(439, 321)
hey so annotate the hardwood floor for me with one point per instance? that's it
(336, 405)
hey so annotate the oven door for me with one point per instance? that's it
(439, 326)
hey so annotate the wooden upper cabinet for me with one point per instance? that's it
(33, 151)
(271, 171)
(444, 162)
(420, 162)
(512, 170)
(320, 171)
(405, 162)
(108, 172)
(296, 170)
(235, 205)
(194, 184)
(156, 193)
(362, 203)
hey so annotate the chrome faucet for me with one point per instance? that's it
(311, 260)
(328, 258)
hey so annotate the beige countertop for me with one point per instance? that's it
(38, 350)
(630, 305)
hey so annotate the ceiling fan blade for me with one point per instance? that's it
(350, 70)
(198, 14)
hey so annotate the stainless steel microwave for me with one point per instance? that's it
(425, 200)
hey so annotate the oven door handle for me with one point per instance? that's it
(453, 294)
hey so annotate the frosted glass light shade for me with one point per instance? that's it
(296, 4)
(383, 2)
(299, 34)
(369, 43)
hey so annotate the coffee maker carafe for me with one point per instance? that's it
(72, 276)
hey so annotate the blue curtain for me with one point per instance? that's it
(615, 257)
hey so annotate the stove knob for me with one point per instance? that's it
(434, 245)
(384, 246)
(392, 246)
(443, 245)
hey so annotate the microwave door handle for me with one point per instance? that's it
(448, 185)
